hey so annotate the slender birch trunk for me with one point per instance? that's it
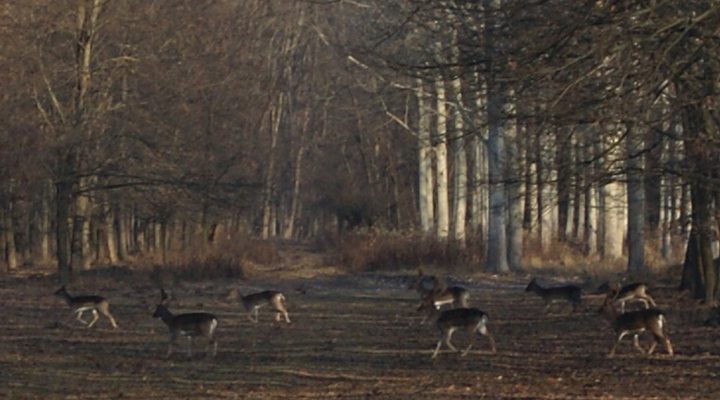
(460, 179)
(443, 204)
(269, 192)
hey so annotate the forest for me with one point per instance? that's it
(157, 131)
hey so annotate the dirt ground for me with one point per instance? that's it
(351, 336)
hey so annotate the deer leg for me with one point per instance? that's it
(78, 316)
(448, 336)
(189, 346)
(106, 312)
(647, 300)
(612, 351)
(668, 346)
(485, 332)
(213, 342)
(472, 341)
(95, 318)
(437, 348)
(547, 307)
(636, 342)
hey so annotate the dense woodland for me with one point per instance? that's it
(137, 130)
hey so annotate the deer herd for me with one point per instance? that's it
(434, 294)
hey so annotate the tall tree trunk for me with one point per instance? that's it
(460, 180)
(513, 166)
(111, 240)
(269, 191)
(44, 222)
(443, 204)
(8, 228)
(479, 170)
(426, 178)
(635, 202)
(63, 203)
(562, 160)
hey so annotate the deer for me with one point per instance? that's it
(568, 294)
(93, 303)
(424, 284)
(253, 302)
(189, 325)
(635, 323)
(471, 320)
(456, 296)
(636, 291)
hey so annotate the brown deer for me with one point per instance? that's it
(91, 303)
(570, 294)
(636, 291)
(471, 320)
(253, 302)
(456, 296)
(635, 323)
(189, 325)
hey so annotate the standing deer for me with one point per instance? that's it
(635, 323)
(92, 303)
(189, 325)
(564, 294)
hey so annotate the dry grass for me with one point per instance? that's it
(396, 251)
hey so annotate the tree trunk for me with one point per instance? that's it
(460, 180)
(479, 170)
(443, 205)
(513, 165)
(562, 160)
(63, 203)
(426, 179)
(269, 191)
(8, 228)
(635, 203)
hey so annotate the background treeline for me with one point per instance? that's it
(499, 133)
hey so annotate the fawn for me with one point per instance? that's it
(569, 293)
(92, 303)
(189, 325)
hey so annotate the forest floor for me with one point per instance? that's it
(351, 336)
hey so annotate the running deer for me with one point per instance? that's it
(565, 294)
(253, 303)
(636, 291)
(92, 303)
(455, 295)
(189, 325)
(471, 320)
(635, 323)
